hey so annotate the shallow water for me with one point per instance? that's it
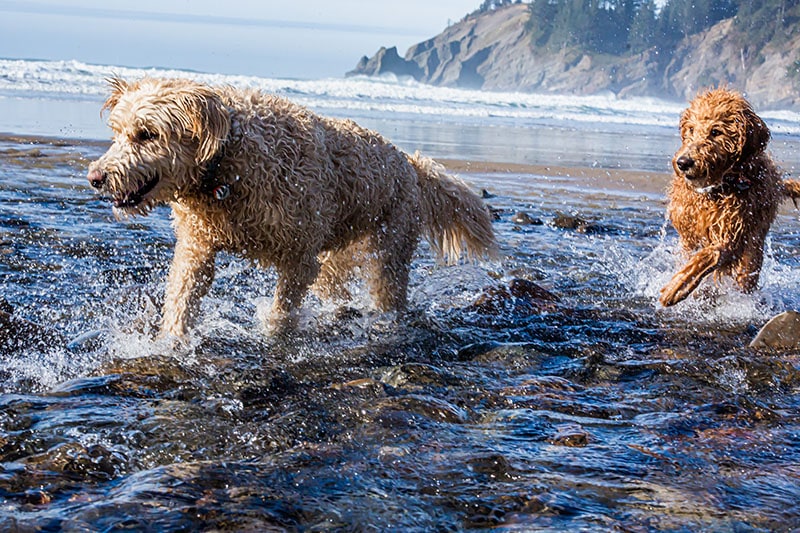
(598, 411)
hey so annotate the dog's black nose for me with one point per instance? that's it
(684, 163)
(97, 178)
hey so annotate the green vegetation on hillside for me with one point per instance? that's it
(625, 27)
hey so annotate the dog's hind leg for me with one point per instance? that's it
(295, 276)
(390, 264)
(748, 267)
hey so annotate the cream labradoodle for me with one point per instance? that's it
(254, 174)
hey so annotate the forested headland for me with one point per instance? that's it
(628, 47)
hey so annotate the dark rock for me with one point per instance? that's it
(36, 497)
(568, 221)
(386, 60)
(576, 223)
(486, 194)
(495, 466)
(520, 296)
(524, 219)
(470, 351)
(571, 435)
(6, 307)
(523, 288)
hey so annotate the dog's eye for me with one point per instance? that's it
(143, 136)
(715, 132)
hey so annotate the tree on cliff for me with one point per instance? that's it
(488, 5)
(767, 20)
(631, 26)
(599, 25)
(643, 27)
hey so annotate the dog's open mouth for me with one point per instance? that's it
(132, 199)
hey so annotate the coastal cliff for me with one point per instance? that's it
(493, 50)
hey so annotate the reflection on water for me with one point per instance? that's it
(592, 410)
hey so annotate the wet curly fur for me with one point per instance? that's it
(257, 175)
(725, 193)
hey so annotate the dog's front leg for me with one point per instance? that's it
(190, 277)
(689, 277)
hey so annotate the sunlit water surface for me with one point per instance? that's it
(598, 411)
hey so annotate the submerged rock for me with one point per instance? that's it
(780, 332)
(570, 435)
(524, 219)
(520, 296)
(573, 222)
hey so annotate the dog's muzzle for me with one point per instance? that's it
(695, 177)
(97, 178)
(684, 163)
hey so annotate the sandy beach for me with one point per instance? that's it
(602, 178)
(14, 146)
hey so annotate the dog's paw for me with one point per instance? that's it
(671, 294)
(689, 277)
(680, 287)
(280, 324)
(171, 341)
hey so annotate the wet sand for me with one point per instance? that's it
(23, 146)
(602, 178)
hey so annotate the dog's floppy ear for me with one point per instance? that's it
(756, 134)
(209, 121)
(684, 122)
(118, 87)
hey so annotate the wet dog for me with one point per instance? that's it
(725, 193)
(257, 175)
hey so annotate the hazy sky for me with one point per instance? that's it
(292, 38)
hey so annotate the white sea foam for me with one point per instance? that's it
(74, 79)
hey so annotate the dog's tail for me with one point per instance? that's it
(791, 190)
(455, 219)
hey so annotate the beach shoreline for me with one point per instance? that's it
(600, 177)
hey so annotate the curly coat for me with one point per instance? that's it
(725, 193)
(257, 175)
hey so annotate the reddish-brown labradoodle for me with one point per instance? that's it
(725, 193)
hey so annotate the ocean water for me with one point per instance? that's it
(586, 407)
(62, 99)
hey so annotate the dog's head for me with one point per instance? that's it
(719, 131)
(165, 133)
